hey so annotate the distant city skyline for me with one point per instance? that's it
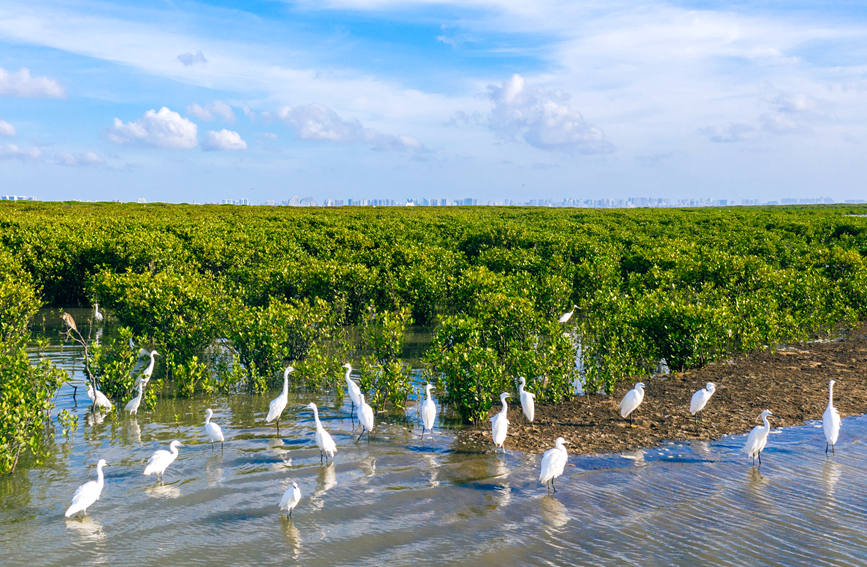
(493, 100)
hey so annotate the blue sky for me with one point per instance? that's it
(491, 99)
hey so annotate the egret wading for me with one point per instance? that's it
(758, 438)
(553, 463)
(160, 460)
(500, 423)
(632, 400)
(87, 493)
(132, 406)
(278, 404)
(326, 444)
(831, 421)
(428, 410)
(146, 374)
(212, 430)
(528, 400)
(351, 388)
(290, 498)
(97, 316)
(98, 398)
(701, 397)
(365, 418)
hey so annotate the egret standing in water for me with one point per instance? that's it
(160, 460)
(145, 376)
(133, 404)
(98, 398)
(326, 444)
(553, 463)
(632, 400)
(528, 400)
(278, 404)
(500, 423)
(428, 410)
(700, 398)
(290, 498)
(758, 438)
(97, 316)
(564, 318)
(87, 493)
(831, 420)
(212, 430)
(351, 387)
(365, 418)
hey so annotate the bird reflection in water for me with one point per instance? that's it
(326, 479)
(553, 512)
(292, 535)
(214, 468)
(830, 476)
(88, 529)
(133, 431)
(166, 491)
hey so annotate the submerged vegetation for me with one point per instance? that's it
(230, 295)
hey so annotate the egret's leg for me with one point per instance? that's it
(321, 454)
(832, 449)
(826, 447)
(221, 447)
(760, 458)
(74, 392)
(359, 435)
(553, 485)
(278, 425)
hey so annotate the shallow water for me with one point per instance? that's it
(403, 499)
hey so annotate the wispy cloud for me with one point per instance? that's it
(23, 84)
(162, 129)
(318, 122)
(82, 159)
(213, 111)
(729, 133)
(13, 151)
(7, 129)
(189, 59)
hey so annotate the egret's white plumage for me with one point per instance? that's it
(98, 398)
(351, 387)
(324, 441)
(365, 417)
(145, 376)
(87, 493)
(97, 316)
(132, 406)
(428, 410)
(564, 318)
(278, 404)
(290, 498)
(700, 398)
(831, 420)
(500, 422)
(632, 400)
(160, 460)
(212, 430)
(758, 438)
(528, 400)
(553, 463)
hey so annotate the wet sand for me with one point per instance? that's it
(792, 383)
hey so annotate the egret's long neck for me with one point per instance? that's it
(150, 367)
(348, 372)
(207, 419)
(830, 394)
(285, 383)
(505, 409)
(767, 423)
(427, 391)
(316, 417)
(174, 449)
(99, 478)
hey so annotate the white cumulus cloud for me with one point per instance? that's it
(162, 129)
(209, 112)
(12, 151)
(543, 118)
(224, 140)
(318, 122)
(23, 84)
(78, 159)
(7, 129)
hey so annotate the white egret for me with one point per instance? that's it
(278, 404)
(831, 420)
(160, 460)
(87, 493)
(212, 430)
(326, 444)
(632, 400)
(528, 400)
(428, 410)
(145, 376)
(351, 387)
(500, 423)
(564, 318)
(553, 463)
(700, 398)
(365, 418)
(132, 406)
(98, 398)
(758, 438)
(97, 316)
(290, 498)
